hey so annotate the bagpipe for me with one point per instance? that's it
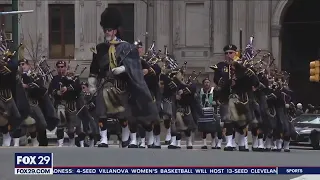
(71, 76)
(5, 53)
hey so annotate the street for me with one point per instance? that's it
(113, 156)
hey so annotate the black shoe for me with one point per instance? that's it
(125, 144)
(228, 148)
(104, 145)
(133, 146)
(156, 147)
(276, 150)
(77, 142)
(261, 149)
(189, 147)
(142, 147)
(172, 147)
(167, 142)
(243, 149)
(216, 147)
(150, 146)
(204, 147)
(254, 149)
(286, 150)
(267, 150)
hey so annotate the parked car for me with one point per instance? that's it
(307, 127)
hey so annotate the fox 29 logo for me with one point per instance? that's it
(33, 160)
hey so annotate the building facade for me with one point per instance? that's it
(194, 30)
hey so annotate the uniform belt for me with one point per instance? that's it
(5, 95)
(184, 110)
(168, 100)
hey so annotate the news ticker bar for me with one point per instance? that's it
(167, 171)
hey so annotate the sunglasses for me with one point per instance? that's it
(60, 66)
(108, 29)
(21, 64)
(229, 52)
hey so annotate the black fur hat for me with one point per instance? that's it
(111, 18)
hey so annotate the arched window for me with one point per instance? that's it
(127, 29)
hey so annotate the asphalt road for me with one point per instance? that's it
(113, 156)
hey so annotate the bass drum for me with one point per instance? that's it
(207, 122)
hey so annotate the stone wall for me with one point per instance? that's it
(194, 30)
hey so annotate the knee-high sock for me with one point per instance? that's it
(150, 137)
(6, 139)
(133, 137)
(104, 137)
(125, 133)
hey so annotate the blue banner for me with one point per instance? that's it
(178, 170)
(186, 170)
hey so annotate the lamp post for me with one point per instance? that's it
(15, 25)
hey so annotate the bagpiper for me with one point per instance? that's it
(66, 92)
(93, 131)
(222, 78)
(184, 118)
(10, 115)
(40, 104)
(117, 80)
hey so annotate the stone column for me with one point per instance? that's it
(276, 46)
(85, 31)
(179, 24)
(100, 6)
(262, 24)
(140, 15)
(220, 29)
(220, 26)
(78, 10)
(162, 23)
(239, 21)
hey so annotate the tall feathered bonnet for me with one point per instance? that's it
(111, 18)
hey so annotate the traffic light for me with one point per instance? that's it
(315, 71)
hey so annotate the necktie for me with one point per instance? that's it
(112, 54)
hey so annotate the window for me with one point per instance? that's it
(6, 20)
(127, 29)
(61, 31)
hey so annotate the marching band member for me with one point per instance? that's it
(66, 93)
(147, 72)
(10, 115)
(244, 83)
(222, 79)
(184, 117)
(209, 122)
(169, 88)
(35, 89)
(93, 127)
(115, 63)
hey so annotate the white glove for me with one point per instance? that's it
(92, 84)
(118, 70)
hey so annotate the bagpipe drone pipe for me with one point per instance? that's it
(273, 83)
